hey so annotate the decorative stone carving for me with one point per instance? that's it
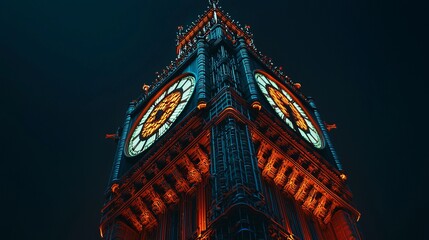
(181, 184)
(302, 190)
(193, 176)
(132, 219)
(290, 186)
(311, 200)
(158, 206)
(260, 155)
(171, 197)
(204, 163)
(269, 169)
(320, 209)
(280, 178)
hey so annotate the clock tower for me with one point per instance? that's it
(223, 145)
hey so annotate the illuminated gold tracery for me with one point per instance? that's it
(161, 113)
(282, 102)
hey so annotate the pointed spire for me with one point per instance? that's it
(214, 4)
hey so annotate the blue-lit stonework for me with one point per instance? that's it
(228, 167)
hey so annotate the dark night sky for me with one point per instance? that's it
(69, 68)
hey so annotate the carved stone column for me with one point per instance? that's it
(345, 228)
(121, 231)
(235, 181)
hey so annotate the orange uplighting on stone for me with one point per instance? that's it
(114, 187)
(256, 105)
(145, 87)
(232, 169)
(329, 127)
(201, 105)
(111, 136)
(297, 85)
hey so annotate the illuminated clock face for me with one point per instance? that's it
(289, 109)
(159, 115)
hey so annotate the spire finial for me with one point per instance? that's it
(213, 3)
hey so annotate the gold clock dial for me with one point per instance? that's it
(284, 104)
(289, 108)
(160, 114)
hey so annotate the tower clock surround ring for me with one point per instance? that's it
(159, 114)
(289, 108)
